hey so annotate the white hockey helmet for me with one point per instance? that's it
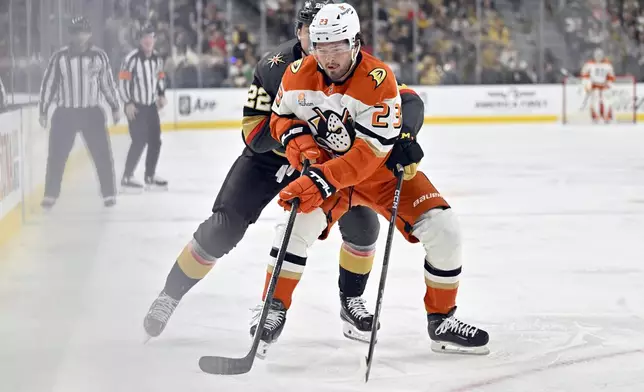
(335, 23)
(598, 54)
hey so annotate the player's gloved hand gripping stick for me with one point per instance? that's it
(225, 365)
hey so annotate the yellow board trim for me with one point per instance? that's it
(11, 224)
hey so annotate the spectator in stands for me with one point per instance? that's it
(183, 65)
(240, 74)
(517, 73)
(429, 72)
(242, 40)
(450, 75)
(491, 69)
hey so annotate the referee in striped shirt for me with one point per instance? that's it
(3, 96)
(142, 87)
(75, 79)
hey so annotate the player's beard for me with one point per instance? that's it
(336, 72)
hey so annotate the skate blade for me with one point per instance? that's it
(130, 191)
(353, 333)
(156, 188)
(451, 348)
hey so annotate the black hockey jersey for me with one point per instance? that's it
(262, 92)
(266, 81)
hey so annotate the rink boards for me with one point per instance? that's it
(23, 148)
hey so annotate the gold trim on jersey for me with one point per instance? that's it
(251, 122)
(279, 153)
(295, 65)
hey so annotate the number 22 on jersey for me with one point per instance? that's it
(258, 99)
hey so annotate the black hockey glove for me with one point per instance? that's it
(406, 152)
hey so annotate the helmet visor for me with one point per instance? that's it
(329, 48)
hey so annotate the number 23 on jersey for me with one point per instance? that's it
(379, 118)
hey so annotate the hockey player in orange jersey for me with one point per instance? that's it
(340, 109)
(598, 77)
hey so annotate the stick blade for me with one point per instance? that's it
(226, 366)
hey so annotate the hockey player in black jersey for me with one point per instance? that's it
(258, 175)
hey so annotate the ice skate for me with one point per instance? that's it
(109, 201)
(48, 203)
(450, 335)
(356, 319)
(272, 329)
(130, 185)
(159, 314)
(155, 183)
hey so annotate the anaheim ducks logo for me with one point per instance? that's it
(295, 65)
(378, 75)
(334, 132)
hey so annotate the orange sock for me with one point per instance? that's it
(289, 277)
(442, 287)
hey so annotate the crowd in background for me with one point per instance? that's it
(425, 42)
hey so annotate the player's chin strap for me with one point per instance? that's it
(354, 57)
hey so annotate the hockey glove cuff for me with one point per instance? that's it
(312, 189)
(300, 145)
(408, 153)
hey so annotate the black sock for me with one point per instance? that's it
(178, 283)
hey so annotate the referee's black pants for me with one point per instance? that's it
(144, 130)
(65, 124)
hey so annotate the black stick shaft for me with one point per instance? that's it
(225, 365)
(385, 268)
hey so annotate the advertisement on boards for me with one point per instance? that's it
(494, 101)
(10, 161)
(203, 105)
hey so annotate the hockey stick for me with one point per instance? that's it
(230, 366)
(385, 267)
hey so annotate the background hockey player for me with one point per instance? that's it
(256, 177)
(343, 104)
(598, 77)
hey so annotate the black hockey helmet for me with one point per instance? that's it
(79, 24)
(145, 29)
(308, 11)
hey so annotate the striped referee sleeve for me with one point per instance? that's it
(161, 85)
(50, 84)
(126, 84)
(108, 87)
(3, 95)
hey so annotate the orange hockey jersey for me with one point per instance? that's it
(356, 121)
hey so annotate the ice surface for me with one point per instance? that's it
(553, 223)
